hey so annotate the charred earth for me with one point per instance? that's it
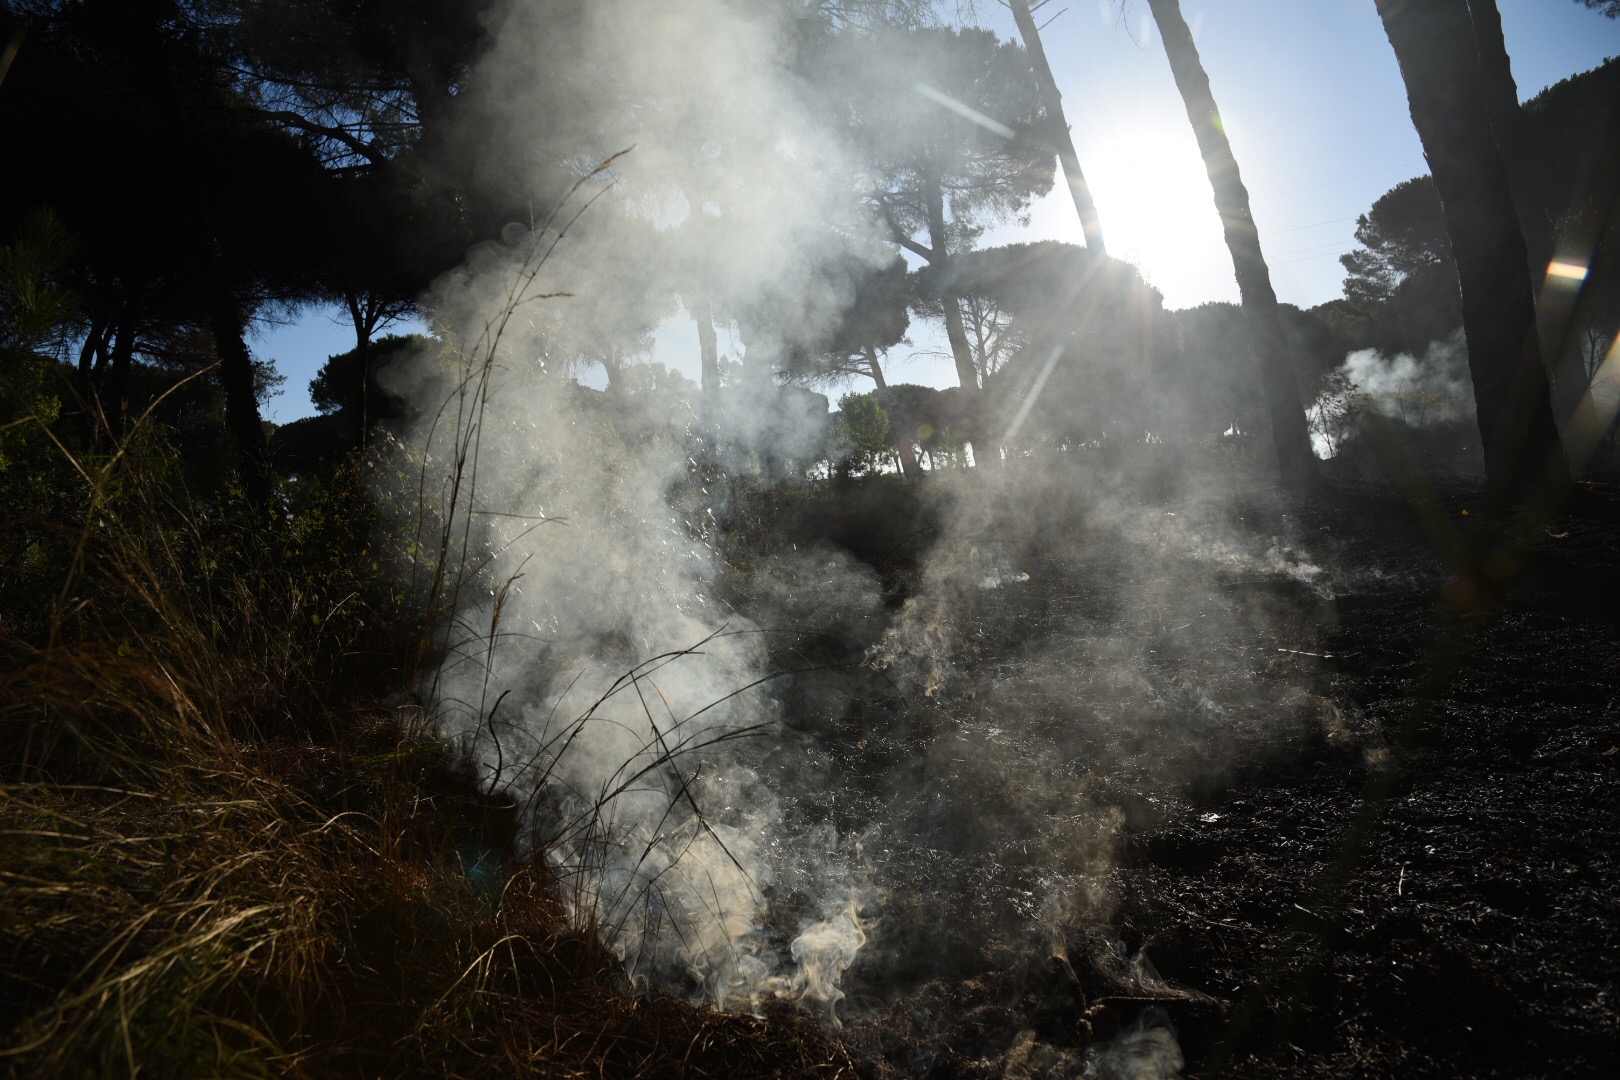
(1234, 784)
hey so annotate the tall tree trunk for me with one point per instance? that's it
(908, 458)
(1058, 124)
(241, 406)
(875, 369)
(104, 347)
(708, 348)
(362, 312)
(709, 355)
(1289, 435)
(1555, 297)
(1434, 45)
(1500, 96)
(613, 367)
(117, 385)
(904, 447)
(90, 353)
(961, 351)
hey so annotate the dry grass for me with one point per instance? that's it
(212, 864)
(181, 934)
(227, 927)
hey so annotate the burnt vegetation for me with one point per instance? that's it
(1221, 692)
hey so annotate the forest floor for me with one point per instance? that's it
(1140, 774)
(1452, 912)
(1357, 823)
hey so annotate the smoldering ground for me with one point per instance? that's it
(1075, 664)
(1379, 411)
(942, 791)
(597, 678)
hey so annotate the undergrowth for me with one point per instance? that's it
(229, 843)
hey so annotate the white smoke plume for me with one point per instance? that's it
(1147, 1051)
(593, 668)
(1419, 392)
(591, 671)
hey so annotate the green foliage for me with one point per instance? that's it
(337, 385)
(39, 489)
(35, 305)
(224, 850)
(1402, 235)
(914, 137)
(860, 434)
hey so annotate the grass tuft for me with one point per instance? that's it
(229, 845)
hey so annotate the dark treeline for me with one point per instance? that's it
(292, 154)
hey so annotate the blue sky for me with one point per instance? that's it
(1313, 104)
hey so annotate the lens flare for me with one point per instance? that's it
(964, 111)
(1568, 271)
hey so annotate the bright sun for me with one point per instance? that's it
(1157, 212)
(1154, 198)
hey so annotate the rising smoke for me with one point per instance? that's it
(719, 832)
(597, 678)
(1415, 392)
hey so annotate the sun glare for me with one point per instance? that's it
(1156, 207)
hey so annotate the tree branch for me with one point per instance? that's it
(303, 123)
(899, 236)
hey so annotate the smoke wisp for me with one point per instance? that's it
(1066, 660)
(592, 672)
(1415, 392)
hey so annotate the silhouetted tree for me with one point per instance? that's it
(874, 321)
(1500, 95)
(1290, 438)
(337, 384)
(384, 235)
(1401, 286)
(1508, 125)
(1004, 295)
(1216, 388)
(364, 81)
(37, 309)
(1401, 236)
(1574, 155)
(949, 136)
(217, 220)
(1434, 44)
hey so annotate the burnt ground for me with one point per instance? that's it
(1455, 911)
(1362, 824)
(1453, 914)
